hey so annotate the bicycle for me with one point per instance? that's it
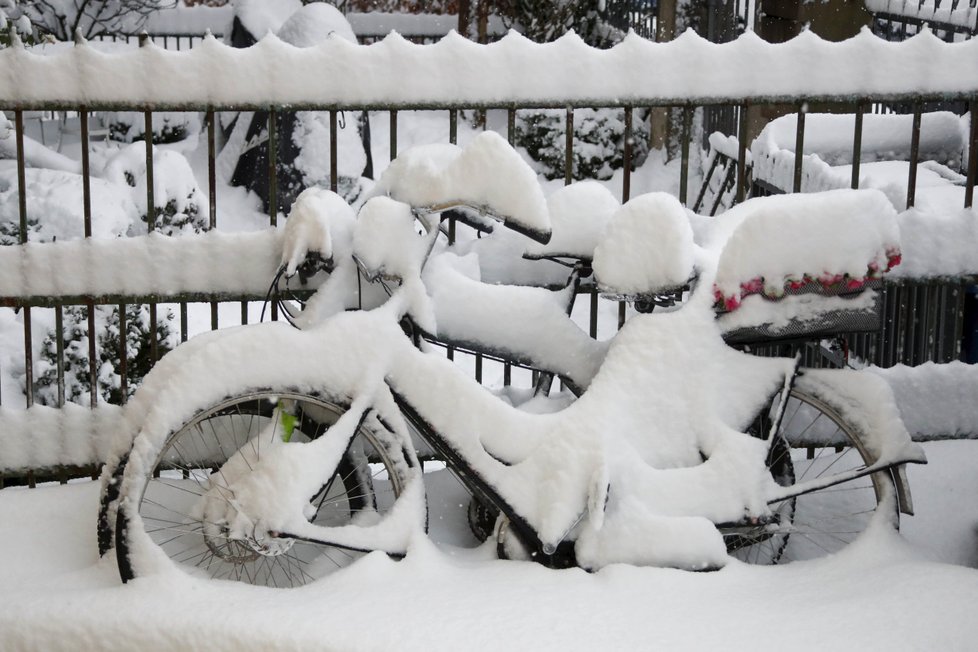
(700, 489)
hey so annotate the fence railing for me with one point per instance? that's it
(568, 87)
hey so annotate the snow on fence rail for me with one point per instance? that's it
(511, 72)
(394, 75)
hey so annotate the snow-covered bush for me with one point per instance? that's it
(55, 207)
(179, 203)
(13, 25)
(311, 137)
(546, 20)
(599, 141)
(76, 361)
(168, 126)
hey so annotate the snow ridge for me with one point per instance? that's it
(512, 70)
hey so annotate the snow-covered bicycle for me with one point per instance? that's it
(271, 454)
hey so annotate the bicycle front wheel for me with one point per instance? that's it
(814, 440)
(199, 461)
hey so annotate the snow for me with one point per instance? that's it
(935, 401)
(447, 599)
(310, 25)
(938, 244)
(647, 247)
(841, 237)
(579, 213)
(260, 16)
(173, 181)
(486, 174)
(556, 74)
(527, 323)
(154, 265)
(965, 15)
(49, 566)
(45, 437)
(943, 137)
(936, 233)
(55, 208)
(312, 219)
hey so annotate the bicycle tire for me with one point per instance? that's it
(169, 516)
(822, 522)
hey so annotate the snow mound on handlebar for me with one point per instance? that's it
(647, 247)
(316, 214)
(487, 174)
(838, 239)
(579, 214)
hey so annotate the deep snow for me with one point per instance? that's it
(881, 593)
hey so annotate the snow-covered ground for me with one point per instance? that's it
(911, 592)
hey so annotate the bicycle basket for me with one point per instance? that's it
(811, 311)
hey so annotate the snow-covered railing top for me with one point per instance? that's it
(512, 72)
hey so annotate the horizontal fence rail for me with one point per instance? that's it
(922, 317)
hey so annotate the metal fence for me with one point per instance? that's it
(919, 323)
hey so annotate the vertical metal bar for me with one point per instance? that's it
(22, 207)
(959, 294)
(21, 174)
(453, 139)
(272, 172)
(393, 144)
(87, 219)
(123, 355)
(334, 179)
(626, 184)
(684, 156)
(211, 169)
(154, 342)
(478, 368)
(914, 156)
(151, 226)
(86, 173)
(59, 337)
(92, 353)
(969, 190)
(912, 322)
(626, 176)
(569, 147)
(150, 200)
(942, 339)
(799, 146)
(857, 143)
(212, 187)
(244, 313)
(741, 192)
(593, 318)
(183, 321)
(511, 126)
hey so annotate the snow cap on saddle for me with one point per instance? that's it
(647, 247)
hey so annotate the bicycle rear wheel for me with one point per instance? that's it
(814, 439)
(198, 462)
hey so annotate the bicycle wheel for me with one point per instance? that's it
(200, 460)
(813, 440)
